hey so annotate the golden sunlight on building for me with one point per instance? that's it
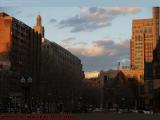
(91, 74)
(143, 41)
(138, 74)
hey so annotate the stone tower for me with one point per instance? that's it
(38, 27)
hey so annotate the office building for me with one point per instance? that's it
(143, 41)
(20, 55)
(61, 75)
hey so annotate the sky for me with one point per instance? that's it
(97, 31)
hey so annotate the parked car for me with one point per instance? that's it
(98, 110)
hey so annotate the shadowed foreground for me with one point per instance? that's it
(94, 116)
(116, 116)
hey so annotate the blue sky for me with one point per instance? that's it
(99, 35)
(63, 3)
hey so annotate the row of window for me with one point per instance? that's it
(63, 55)
(137, 26)
(148, 36)
(145, 29)
(18, 25)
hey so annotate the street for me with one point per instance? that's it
(87, 116)
(116, 116)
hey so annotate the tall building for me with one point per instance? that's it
(56, 73)
(154, 90)
(19, 45)
(144, 39)
(156, 52)
(61, 74)
(20, 49)
(144, 55)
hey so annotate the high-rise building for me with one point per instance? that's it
(20, 50)
(154, 90)
(156, 53)
(19, 45)
(144, 39)
(61, 74)
(56, 73)
(144, 54)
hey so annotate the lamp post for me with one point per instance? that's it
(49, 102)
(26, 87)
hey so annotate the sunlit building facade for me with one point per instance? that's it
(143, 41)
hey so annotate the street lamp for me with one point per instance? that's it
(29, 80)
(26, 84)
(49, 102)
(23, 80)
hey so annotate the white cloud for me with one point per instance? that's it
(126, 10)
(102, 54)
(90, 51)
(79, 43)
(52, 20)
(94, 18)
(102, 47)
(68, 39)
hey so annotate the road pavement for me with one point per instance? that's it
(86, 116)
(116, 116)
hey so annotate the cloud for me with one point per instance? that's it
(126, 10)
(104, 42)
(103, 47)
(68, 39)
(52, 20)
(90, 52)
(94, 18)
(102, 54)
(16, 13)
(80, 43)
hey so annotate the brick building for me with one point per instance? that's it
(20, 53)
(112, 85)
(144, 55)
(121, 88)
(143, 41)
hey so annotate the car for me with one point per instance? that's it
(134, 111)
(147, 112)
(98, 110)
